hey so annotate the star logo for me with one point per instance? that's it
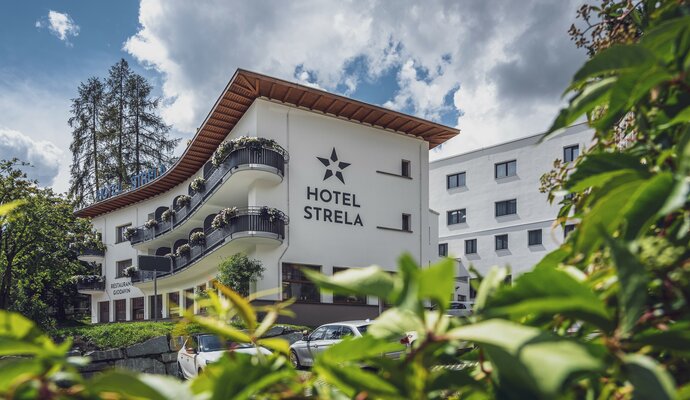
(333, 166)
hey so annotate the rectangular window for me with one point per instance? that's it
(567, 229)
(189, 299)
(120, 310)
(501, 242)
(506, 207)
(347, 298)
(456, 216)
(471, 246)
(120, 233)
(443, 249)
(138, 309)
(200, 293)
(473, 291)
(534, 237)
(462, 297)
(570, 153)
(455, 180)
(121, 266)
(103, 311)
(505, 169)
(173, 304)
(407, 222)
(158, 307)
(296, 284)
(406, 169)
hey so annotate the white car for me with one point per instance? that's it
(199, 350)
(304, 352)
(460, 309)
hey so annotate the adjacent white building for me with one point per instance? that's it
(491, 210)
(327, 183)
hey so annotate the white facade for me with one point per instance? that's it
(482, 189)
(364, 228)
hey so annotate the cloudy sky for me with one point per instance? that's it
(494, 69)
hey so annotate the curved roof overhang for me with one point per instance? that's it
(238, 96)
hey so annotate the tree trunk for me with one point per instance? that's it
(5, 286)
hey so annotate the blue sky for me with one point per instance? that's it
(493, 69)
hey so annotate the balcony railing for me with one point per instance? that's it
(247, 222)
(91, 285)
(238, 159)
(90, 251)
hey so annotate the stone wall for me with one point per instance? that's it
(154, 356)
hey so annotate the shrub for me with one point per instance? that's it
(198, 184)
(183, 201)
(183, 250)
(197, 238)
(238, 271)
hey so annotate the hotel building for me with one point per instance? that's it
(491, 210)
(292, 176)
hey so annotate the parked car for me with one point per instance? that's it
(200, 350)
(459, 308)
(304, 352)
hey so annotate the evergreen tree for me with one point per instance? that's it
(146, 131)
(87, 168)
(116, 100)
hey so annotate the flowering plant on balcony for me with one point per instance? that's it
(198, 184)
(223, 217)
(130, 271)
(167, 214)
(252, 142)
(90, 241)
(170, 255)
(223, 150)
(150, 224)
(269, 213)
(88, 279)
(129, 233)
(197, 238)
(184, 250)
(183, 201)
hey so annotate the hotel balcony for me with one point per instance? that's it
(247, 227)
(225, 184)
(90, 252)
(90, 284)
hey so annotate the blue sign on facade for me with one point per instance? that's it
(135, 181)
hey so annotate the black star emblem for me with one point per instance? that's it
(332, 164)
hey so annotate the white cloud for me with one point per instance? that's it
(503, 64)
(43, 156)
(60, 24)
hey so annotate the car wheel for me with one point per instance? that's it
(180, 374)
(294, 360)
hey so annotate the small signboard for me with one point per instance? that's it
(155, 263)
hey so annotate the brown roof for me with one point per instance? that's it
(238, 96)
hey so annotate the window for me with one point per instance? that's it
(506, 207)
(121, 266)
(473, 291)
(471, 246)
(120, 233)
(455, 180)
(534, 237)
(505, 169)
(103, 311)
(199, 292)
(173, 304)
(462, 297)
(407, 222)
(138, 309)
(296, 284)
(332, 333)
(189, 299)
(443, 249)
(567, 229)
(158, 307)
(501, 242)
(406, 171)
(570, 153)
(318, 334)
(349, 298)
(120, 310)
(456, 216)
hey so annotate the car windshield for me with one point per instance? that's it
(362, 329)
(214, 343)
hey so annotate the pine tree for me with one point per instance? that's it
(116, 100)
(87, 168)
(146, 131)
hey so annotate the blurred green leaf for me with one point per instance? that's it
(615, 59)
(651, 381)
(437, 282)
(529, 361)
(675, 337)
(596, 170)
(120, 383)
(213, 325)
(394, 323)
(372, 281)
(632, 280)
(491, 282)
(592, 96)
(547, 291)
(276, 344)
(13, 370)
(361, 348)
(642, 208)
(243, 307)
(353, 380)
